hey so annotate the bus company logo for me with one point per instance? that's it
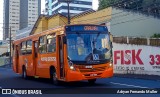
(6, 91)
(20, 92)
(48, 59)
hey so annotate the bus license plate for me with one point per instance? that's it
(93, 74)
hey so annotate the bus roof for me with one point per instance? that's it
(49, 31)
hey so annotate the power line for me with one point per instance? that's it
(62, 20)
(113, 14)
(133, 20)
(19, 22)
(105, 15)
(87, 19)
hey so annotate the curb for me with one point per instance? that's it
(134, 76)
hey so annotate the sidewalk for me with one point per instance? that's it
(6, 66)
(146, 77)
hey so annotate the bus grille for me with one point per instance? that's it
(92, 69)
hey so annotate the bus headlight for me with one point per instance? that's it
(71, 65)
(110, 64)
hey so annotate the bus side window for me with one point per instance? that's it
(23, 48)
(29, 47)
(51, 43)
(42, 44)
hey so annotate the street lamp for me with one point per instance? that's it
(68, 2)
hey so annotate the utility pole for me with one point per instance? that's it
(68, 2)
(10, 57)
(68, 13)
(10, 43)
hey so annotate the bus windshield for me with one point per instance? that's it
(88, 48)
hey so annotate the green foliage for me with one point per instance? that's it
(151, 6)
(106, 3)
(102, 4)
(149, 2)
(156, 36)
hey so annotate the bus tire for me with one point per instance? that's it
(53, 77)
(24, 73)
(91, 81)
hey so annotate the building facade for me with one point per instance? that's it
(23, 32)
(133, 24)
(46, 22)
(3, 47)
(76, 6)
(19, 14)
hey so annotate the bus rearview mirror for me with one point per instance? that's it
(111, 37)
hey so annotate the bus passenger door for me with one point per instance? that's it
(35, 53)
(61, 57)
(15, 59)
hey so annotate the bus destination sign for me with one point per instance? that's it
(86, 28)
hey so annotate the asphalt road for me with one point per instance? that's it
(8, 79)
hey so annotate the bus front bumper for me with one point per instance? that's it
(78, 76)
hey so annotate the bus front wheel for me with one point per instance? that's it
(53, 77)
(24, 73)
(92, 81)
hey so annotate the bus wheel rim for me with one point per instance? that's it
(54, 77)
(24, 73)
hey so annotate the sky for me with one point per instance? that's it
(95, 6)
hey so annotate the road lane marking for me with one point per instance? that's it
(128, 85)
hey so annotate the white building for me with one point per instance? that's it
(14, 16)
(19, 14)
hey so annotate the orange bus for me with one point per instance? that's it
(66, 53)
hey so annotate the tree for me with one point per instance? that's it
(151, 6)
(106, 3)
(146, 5)
(102, 4)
